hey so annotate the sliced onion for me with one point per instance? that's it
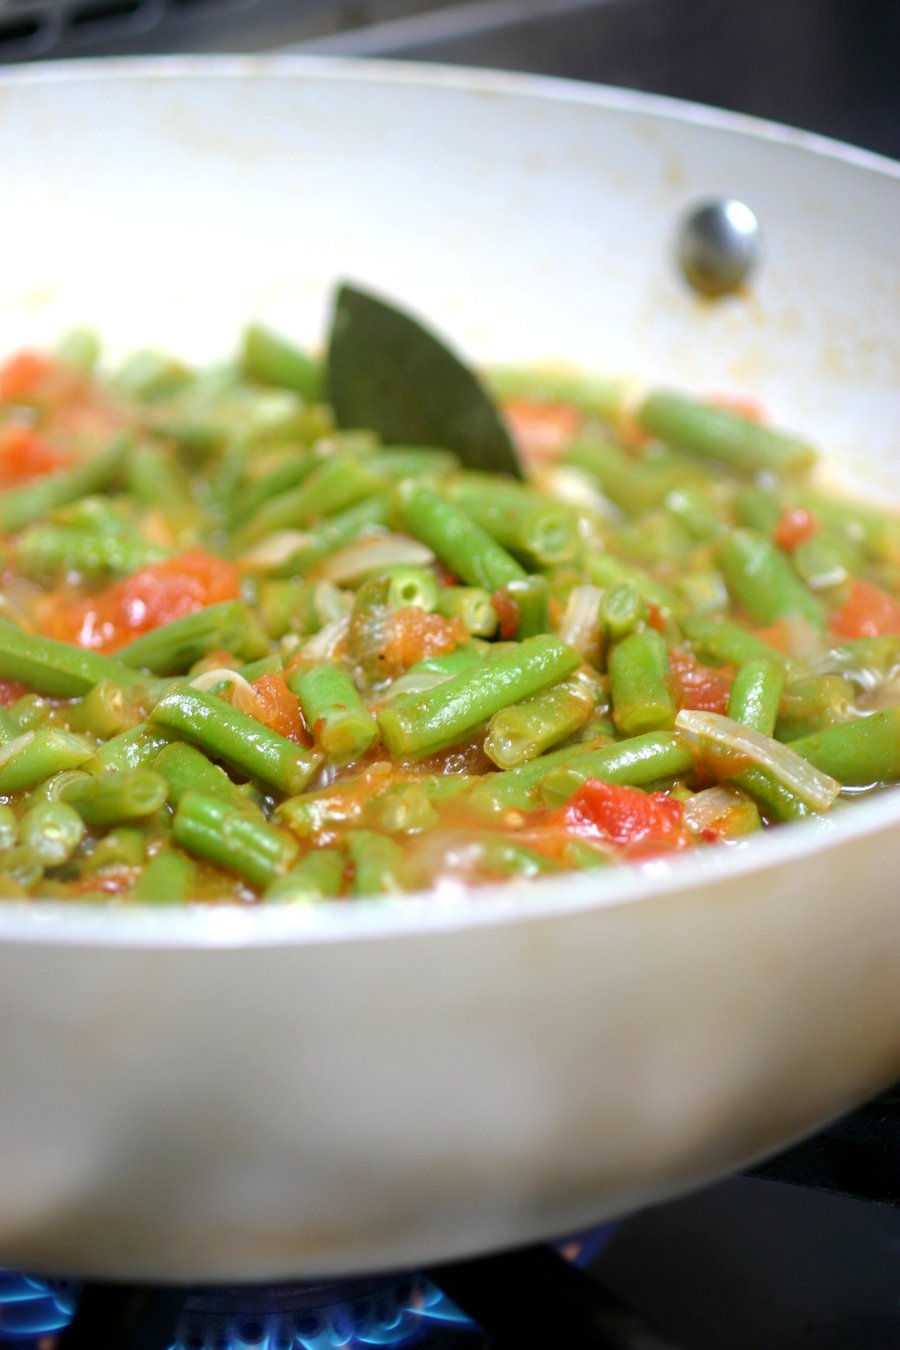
(323, 645)
(275, 549)
(373, 553)
(815, 788)
(704, 809)
(580, 627)
(243, 695)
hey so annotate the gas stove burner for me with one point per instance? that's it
(334, 1316)
(341, 1315)
(31, 1308)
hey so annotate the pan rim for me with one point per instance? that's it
(210, 926)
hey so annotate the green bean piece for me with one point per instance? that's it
(703, 511)
(132, 749)
(21, 867)
(472, 606)
(288, 606)
(172, 648)
(29, 712)
(21, 506)
(637, 762)
(79, 348)
(462, 546)
(756, 694)
(342, 726)
(656, 537)
(8, 727)
(50, 552)
(116, 797)
(420, 724)
(227, 733)
(592, 394)
(270, 359)
(185, 768)
(317, 876)
(642, 699)
(633, 482)
(500, 857)
(543, 533)
(124, 846)
(412, 586)
(524, 731)
(859, 753)
(721, 642)
(9, 827)
(721, 434)
(291, 470)
(412, 461)
(762, 581)
(701, 592)
(250, 848)
(758, 508)
(531, 598)
(622, 610)
(583, 857)
(813, 703)
(376, 863)
(337, 483)
(56, 668)
(877, 532)
(167, 879)
(35, 755)
(52, 831)
(405, 808)
(156, 479)
(104, 712)
(604, 570)
(323, 540)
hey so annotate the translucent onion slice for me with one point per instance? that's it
(580, 626)
(323, 645)
(815, 788)
(371, 554)
(242, 695)
(705, 809)
(275, 549)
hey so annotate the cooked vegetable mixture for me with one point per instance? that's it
(285, 629)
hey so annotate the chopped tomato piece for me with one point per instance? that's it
(794, 526)
(152, 596)
(625, 816)
(10, 690)
(412, 635)
(279, 709)
(868, 611)
(541, 429)
(655, 617)
(699, 687)
(744, 404)
(25, 455)
(507, 611)
(23, 375)
(777, 635)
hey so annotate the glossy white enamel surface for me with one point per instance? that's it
(286, 1094)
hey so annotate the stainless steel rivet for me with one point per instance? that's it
(719, 245)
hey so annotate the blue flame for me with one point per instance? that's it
(394, 1317)
(31, 1308)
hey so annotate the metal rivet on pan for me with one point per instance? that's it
(719, 244)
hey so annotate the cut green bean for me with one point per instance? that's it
(20, 506)
(762, 581)
(186, 769)
(271, 359)
(115, 798)
(317, 876)
(52, 831)
(462, 545)
(376, 863)
(756, 694)
(227, 733)
(167, 879)
(527, 729)
(342, 726)
(35, 755)
(859, 753)
(719, 433)
(637, 762)
(252, 849)
(419, 724)
(56, 668)
(174, 647)
(642, 699)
